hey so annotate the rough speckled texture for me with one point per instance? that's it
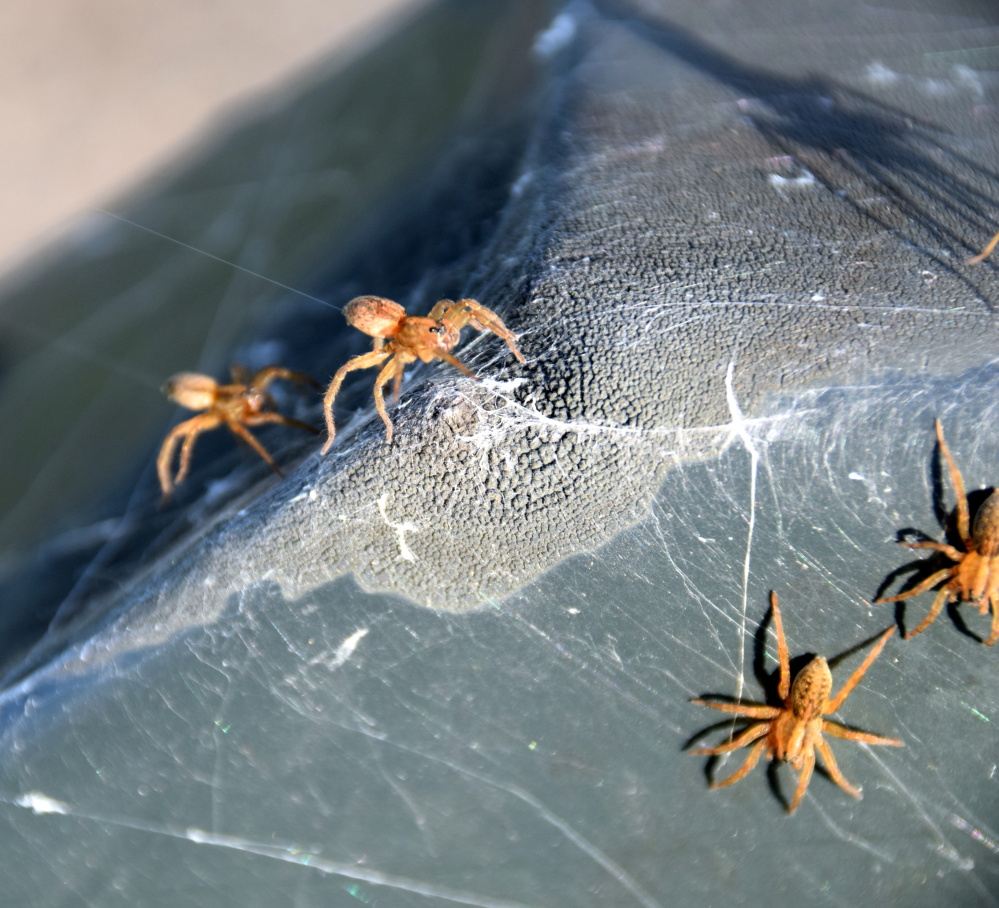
(668, 226)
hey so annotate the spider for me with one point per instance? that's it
(792, 731)
(974, 575)
(406, 338)
(243, 403)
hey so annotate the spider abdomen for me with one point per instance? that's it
(810, 690)
(375, 316)
(986, 530)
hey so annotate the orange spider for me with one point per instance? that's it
(974, 576)
(986, 253)
(792, 731)
(243, 403)
(407, 338)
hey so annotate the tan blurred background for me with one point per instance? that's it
(95, 93)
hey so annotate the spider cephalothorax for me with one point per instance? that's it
(402, 339)
(974, 575)
(792, 732)
(244, 402)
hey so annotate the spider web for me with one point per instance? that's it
(222, 707)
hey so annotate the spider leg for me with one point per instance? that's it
(265, 376)
(837, 701)
(483, 319)
(256, 419)
(929, 582)
(750, 710)
(984, 255)
(963, 522)
(440, 309)
(396, 386)
(189, 430)
(785, 661)
(364, 361)
(746, 768)
(841, 731)
(803, 779)
(937, 608)
(240, 374)
(995, 623)
(393, 367)
(748, 735)
(244, 433)
(457, 363)
(165, 458)
(833, 769)
(949, 550)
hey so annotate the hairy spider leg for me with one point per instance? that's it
(754, 757)
(953, 553)
(189, 430)
(805, 776)
(963, 518)
(259, 419)
(864, 737)
(938, 603)
(995, 623)
(833, 769)
(784, 688)
(393, 369)
(471, 312)
(271, 373)
(750, 710)
(458, 364)
(239, 429)
(988, 250)
(364, 361)
(847, 689)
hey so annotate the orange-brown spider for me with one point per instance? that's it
(792, 731)
(407, 338)
(974, 576)
(243, 403)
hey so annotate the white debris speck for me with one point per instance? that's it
(561, 31)
(779, 182)
(40, 803)
(343, 652)
(967, 77)
(405, 552)
(501, 387)
(521, 183)
(878, 72)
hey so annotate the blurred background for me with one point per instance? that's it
(95, 97)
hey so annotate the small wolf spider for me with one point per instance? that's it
(244, 402)
(407, 338)
(974, 576)
(793, 731)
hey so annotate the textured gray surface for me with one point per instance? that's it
(740, 289)
(655, 237)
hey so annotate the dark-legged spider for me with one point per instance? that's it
(407, 338)
(244, 402)
(974, 576)
(793, 731)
